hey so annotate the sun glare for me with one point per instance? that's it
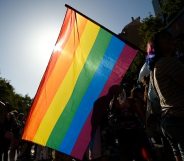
(57, 47)
(44, 44)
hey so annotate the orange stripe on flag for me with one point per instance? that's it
(50, 85)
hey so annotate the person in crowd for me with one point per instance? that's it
(153, 115)
(133, 141)
(43, 153)
(15, 129)
(7, 135)
(153, 110)
(58, 156)
(180, 47)
(3, 114)
(167, 76)
(103, 143)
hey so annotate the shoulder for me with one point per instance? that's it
(169, 64)
(168, 61)
(165, 60)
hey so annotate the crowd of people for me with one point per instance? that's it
(148, 123)
(141, 123)
(12, 147)
(11, 126)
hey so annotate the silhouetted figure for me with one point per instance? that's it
(8, 135)
(167, 74)
(133, 141)
(3, 114)
(99, 123)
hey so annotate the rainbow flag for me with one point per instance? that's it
(86, 61)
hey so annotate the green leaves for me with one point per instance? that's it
(16, 101)
(171, 8)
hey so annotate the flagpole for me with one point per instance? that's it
(127, 42)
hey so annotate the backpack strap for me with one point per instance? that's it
(157, 90)
(153, 83)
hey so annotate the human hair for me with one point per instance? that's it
(114, 90)
(154, 52)
(135, 91)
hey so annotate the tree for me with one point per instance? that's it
(152, 24)
(23, 103)
(170, 8)
(6, 91)
(16, 101)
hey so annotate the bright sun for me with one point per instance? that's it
(43, 43)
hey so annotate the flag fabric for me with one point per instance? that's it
(86, 61)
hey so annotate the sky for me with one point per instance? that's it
(29, 30)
